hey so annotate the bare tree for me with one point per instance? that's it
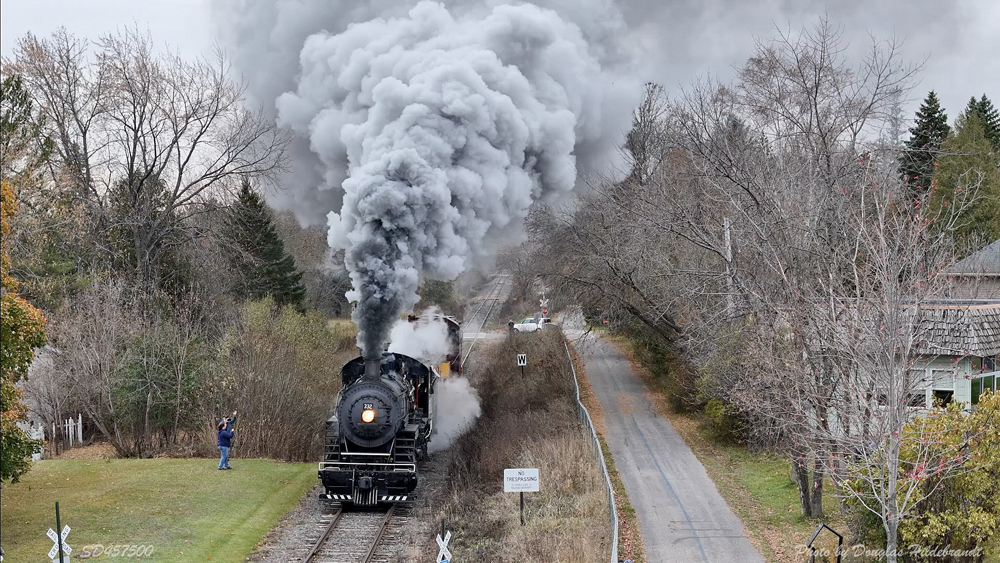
(773, 226)
(144, 136)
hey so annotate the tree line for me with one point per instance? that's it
(134, 219)
(774, 245)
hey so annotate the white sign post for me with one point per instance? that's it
(522, 360)
(520, 481)
(444, 556)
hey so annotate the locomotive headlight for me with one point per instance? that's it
(368, 415)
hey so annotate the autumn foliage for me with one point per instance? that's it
(22, 329)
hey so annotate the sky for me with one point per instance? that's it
(956, 41)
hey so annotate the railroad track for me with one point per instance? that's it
(489, 302)
(358, 537)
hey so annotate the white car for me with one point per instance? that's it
(527, 325)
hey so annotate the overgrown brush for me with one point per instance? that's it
(281, 369)
(528, 422)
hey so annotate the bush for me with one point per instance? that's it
(281, 370)
(668, 367)
(727, 425)
(961, 510)
(156, 389)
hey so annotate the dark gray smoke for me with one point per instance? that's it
(266, 40)
(440, 127)
(422, 197)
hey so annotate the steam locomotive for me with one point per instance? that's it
(382, 425)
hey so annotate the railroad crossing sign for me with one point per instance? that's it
(545, 310)
(522, 360)
(57, 539)
(444, 556)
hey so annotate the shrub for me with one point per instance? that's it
(281, 370)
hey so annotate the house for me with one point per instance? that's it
(977, 276)
(959, 351)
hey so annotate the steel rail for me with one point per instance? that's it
(498, 288)
(483, 301)
(326, 534)
(381, 532)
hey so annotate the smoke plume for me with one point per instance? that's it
(449, 125)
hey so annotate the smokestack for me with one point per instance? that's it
(372, 372)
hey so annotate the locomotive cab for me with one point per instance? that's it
(379, 431)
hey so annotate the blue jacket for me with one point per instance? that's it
(224, 438)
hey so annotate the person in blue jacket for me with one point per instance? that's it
(225, 439)
(230, 420)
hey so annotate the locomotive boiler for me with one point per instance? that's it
(379, 431)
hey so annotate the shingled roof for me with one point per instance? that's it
(959, 328)
(984, 262)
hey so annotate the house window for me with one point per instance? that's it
(942, 397)
(990, 364)
(980, 385)
(943, 379)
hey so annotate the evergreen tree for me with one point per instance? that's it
(23, 147)
(930, 130)
(968, 181)
(259, 258)
(991, 121)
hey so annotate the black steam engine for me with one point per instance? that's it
(379, 431)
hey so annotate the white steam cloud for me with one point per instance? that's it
(458, 404)
(426, 339)
(450, 127)
(458, 408)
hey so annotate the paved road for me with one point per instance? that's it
(682, 516)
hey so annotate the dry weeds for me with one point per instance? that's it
(527, 422)
(99, 450)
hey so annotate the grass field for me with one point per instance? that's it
(186, 509)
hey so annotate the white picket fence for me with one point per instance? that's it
(36, 433)
(69, 432)
(72, 431)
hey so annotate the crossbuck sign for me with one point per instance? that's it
(54, 552)
(444, 556)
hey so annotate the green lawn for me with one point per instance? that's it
(186, 508)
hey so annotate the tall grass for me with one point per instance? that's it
(527, 422)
